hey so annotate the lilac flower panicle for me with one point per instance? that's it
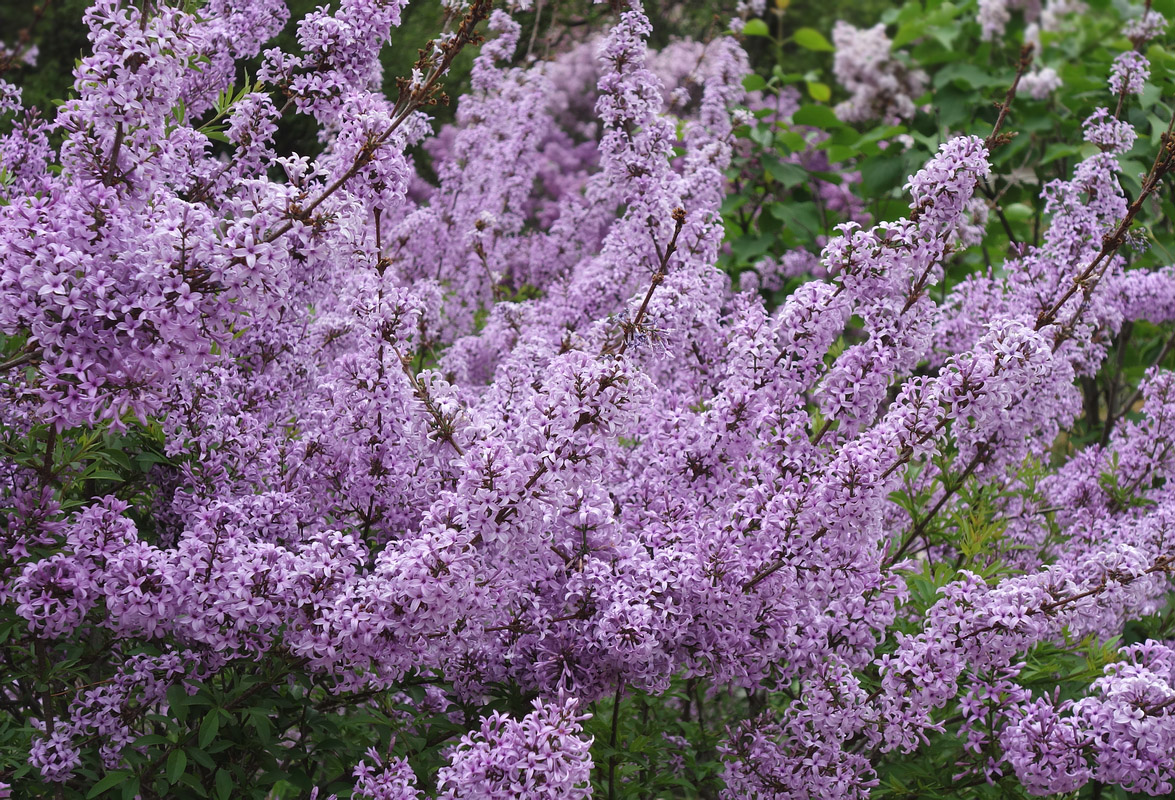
(1109, 134)
(1129, 73)
(540, 756)
(1150, 25)
(881, 86)
(394, 779)
(1040, 83)
(994, 15)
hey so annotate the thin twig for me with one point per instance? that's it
(658, 276)
(405, 106)
(1124, 409)
(612, 740)
(27, 355)
(1089, 277)
(443, 425)
(994, 137)
(24, 37)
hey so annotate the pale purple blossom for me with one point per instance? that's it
(508, 425)
(1129, 73)
(882, 86)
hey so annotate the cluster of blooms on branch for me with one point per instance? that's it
(480, 452)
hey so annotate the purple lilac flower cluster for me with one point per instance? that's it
(994, 15)
(1130, 71)
(1051, 16)
(512, 426)
(881, 86)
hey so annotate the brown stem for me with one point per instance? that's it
(408, 103)
(24, 37)
(1116, 384)
(149, 773)
(999, 211)
(443, 425)
(27, 355)
(1089, 277)
(948, 492)
(823, 430)
(612, 740)
(110, 174)
(1163, 564)
(1124, 409)
(994, 137)
(658, 276)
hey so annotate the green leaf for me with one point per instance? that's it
(1164, 7)
(955, 106)
(259, 721)
(224, 784)
(812, 39)
(819, 91)
(1057, 150)
(816, 116)
(797, 216)
(786, 77)
(793, 141)
(177, 762)
(754, 82)
(1151, 94)
(209, 728)
(177, 701)
(150, 739)
(756, 27)
(272, 777)
(201, 758)
(1018, 212)
(882, 174)
(111, 780)
(749, 248)
(101, 475)
(965, 74)
(788, 174)
(1158, 128)
(908, 32)
(732, 203)
(145, 460)
(116, 457)
(130, 789)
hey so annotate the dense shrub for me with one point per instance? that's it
(644, 431)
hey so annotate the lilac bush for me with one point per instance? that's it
(331, 474)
